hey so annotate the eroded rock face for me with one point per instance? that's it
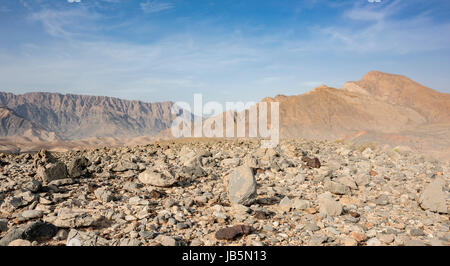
(242, 186)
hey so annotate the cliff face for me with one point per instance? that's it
(80, 116)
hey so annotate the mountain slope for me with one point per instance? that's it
(12, 125)
(400, 90)
(80, 116)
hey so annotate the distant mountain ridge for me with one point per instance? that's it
(382, 108)
(71, 116)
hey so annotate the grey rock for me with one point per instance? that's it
(167, 241)
(31, 232)
(434, 198)
(103, 194)
(52, 171)
(3, 225)
(78, 166)
(147, 234)
(414, 243)
(61, 182)
(285, 204)
(242, 186)
(382, 200)
(33, 186)
(127, 242)
(80, 238)
(336, 188)
(362, 179)
(328, 206)
(31, 214)
(311, 227)
(69, 218)
(12, 234)
(301, 204)
(150, 177)
(416, 232)
(12, 203)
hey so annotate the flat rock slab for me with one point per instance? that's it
(434, 198)
(69, 218)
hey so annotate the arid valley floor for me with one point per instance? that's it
(225, 192)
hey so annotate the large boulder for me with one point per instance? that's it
(242, 186)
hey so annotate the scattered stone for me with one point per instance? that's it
(78, 167)
(103, 194)
(33, 186)
(360, 237)
(301, 204)
(39, 231)
(371, 199)
(311, 162)
(434, 198)
(20, 243)
(52, 171)
(166, 241)
(150, 177)
(328, 205)
(285, 204)
(416, 232)
(3, 225)
(414, 243)
(336, 188)
(231, 233)
(382, 200)
(70, 218)
(373, 242)
(31, 214)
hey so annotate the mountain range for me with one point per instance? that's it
(381, 108)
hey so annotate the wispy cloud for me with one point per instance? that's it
(153, 6)
(66, 23)
(379, 30)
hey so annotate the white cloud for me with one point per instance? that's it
(153, 6)
(66, 23)
(379, 30)
(74, 1)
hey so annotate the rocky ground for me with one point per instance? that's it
(224, 192)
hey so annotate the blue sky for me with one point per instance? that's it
(228, 50)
